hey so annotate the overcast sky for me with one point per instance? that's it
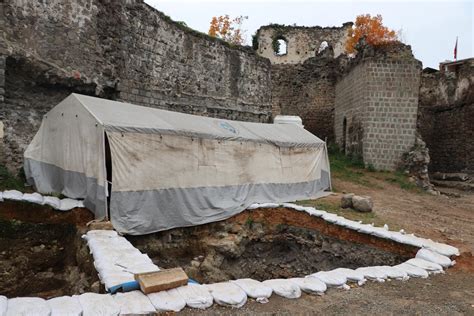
(430, 27)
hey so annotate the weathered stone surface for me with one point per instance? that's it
(362, 203)
(307, 90)
(416, 161)
(376, 105)
(446, 117)
(346, 200)
(123, 50)
(302, 42)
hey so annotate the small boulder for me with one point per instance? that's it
(362, 203)
(346, 200)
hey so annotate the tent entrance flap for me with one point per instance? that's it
(108, 171)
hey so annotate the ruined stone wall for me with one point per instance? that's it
(302, 42)
(307, 90)
(446, 118)
(123, 50)
(378, 98)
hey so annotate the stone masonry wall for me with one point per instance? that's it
(302, 42)
(123, 50)
(379, 100)
(446, 118)
(307, 90)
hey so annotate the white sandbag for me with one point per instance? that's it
(134, 303)
(330, 278)
(167, 301)
(396, 273)
(310, 285)
(102, 233)
(227, 294)
(351, 275)
(142, 268)
(133, 260)
(28, 306)
(330, 217)
(253, 206)
(254, 289)
(112, 278)
(294, 206)
(65, 306)
(393, 272)
(196, 296)
(1, 196)
(412, 271)
(382, 233)
(268, 205)
(429, 266)
(366, 228)
(408, 239)
(13, 195)
(94, 304)
(284, 288)
(314, 212)
(52, 201)
(33, 198)
(442, 249)
(435, 257)
(3, 303)
(69, 204)
(373, 273)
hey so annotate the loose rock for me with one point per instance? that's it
(362, 203)
(346, 200)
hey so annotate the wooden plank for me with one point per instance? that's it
(165, 279)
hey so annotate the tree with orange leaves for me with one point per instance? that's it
(372, 29)
(230, 30)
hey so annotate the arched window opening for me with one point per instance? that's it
(280, 46)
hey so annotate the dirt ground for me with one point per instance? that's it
(442, 218)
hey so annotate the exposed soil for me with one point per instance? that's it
(268, 243)
(41, 260)
(49, 259)
(442, 218)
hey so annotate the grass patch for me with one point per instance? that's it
(347, 168)
(8, 181)
(399, 178)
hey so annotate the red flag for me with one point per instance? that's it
(456, 49)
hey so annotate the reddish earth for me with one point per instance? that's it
(32, 213)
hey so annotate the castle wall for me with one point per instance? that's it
(123, 50)
(446, 118)
(307, 90)
(302, 42)
(379, 100)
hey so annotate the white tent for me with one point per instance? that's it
(167, 169)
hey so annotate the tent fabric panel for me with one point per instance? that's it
(150, 162)
(145, 212)
(70, 138)
(47, 178)
(130, 118)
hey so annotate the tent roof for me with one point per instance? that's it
(126, 117)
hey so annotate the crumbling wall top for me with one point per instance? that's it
(299, 42)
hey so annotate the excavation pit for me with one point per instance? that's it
(268, 243)
(51, 259)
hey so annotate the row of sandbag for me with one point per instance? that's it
(233, 293)
(115, 258)
(382, 232)
(56, 203)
